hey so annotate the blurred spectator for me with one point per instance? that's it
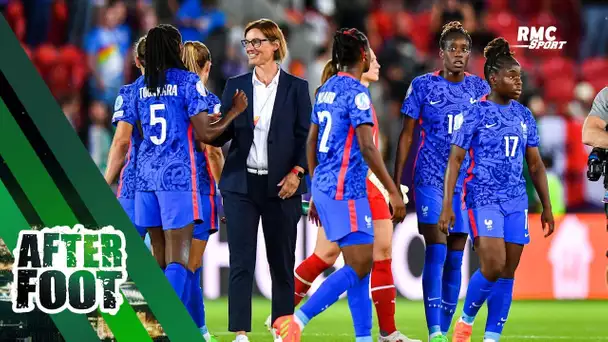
(197, 19)
(444, 11)
(352, 13)
(100, 137)
(80, 14)
(70, 105)
(595, 19)
(38, 18)
(107, 47)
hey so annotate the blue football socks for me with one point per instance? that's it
(360, 306)
(450, 288)
(478, 291)
(328, 293)
(177, 275)
(499, 304)
(434, 258)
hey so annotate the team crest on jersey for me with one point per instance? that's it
(362, 101)
(201, 88)
(118, 103)
(216, 108)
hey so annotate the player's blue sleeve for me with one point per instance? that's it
(359, 107)
(465, 125)
(124, 106)
(213, 103)
(533, 138)
(195, 95)
(411, 104)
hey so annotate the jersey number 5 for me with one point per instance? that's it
(154, 120)
(325, 116)
(510, 150)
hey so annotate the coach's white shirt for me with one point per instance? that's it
(263, 103)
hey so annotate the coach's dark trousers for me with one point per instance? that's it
(279, 221)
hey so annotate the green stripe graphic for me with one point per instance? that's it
(73, 327)
(53, 210)
(92, 189)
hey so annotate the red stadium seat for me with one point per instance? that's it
(559, 90)
(71, 55)
(557, 66)
(16, 19)
(497, 5)
(421, 35)
(594, 67)
(502, 23)
(45, 57)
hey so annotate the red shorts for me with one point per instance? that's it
(380, 209)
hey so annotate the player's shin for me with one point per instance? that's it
(478, 291)
(434, 259)
(328, 293)
(384, 295)
(499, 304)
(305, 275)
(452, 277)
(361, 309)
(177, 275)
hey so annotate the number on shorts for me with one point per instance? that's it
(325, 116)
(154, 120)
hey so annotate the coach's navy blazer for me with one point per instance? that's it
(286, 137)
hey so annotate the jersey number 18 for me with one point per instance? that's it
(154, 120)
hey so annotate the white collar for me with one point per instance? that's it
(274, 81)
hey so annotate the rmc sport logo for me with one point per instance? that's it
(538, 38)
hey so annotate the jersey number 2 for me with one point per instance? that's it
(325, 116)
(154, 120)
(510, 150)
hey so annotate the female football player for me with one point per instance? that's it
(498, 134)
(171, 107)
(123, 151)
(326, 252)
(436, 100)
(339, 167)
(197, 58)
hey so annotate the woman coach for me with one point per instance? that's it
(262, 176)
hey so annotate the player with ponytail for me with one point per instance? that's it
(326, 252)
(498, 134)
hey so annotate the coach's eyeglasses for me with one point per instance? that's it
(255, 42)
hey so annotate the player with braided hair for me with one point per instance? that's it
(498, 134)
(437, 100)
(326, 252)
(172, 109)
(340, 148)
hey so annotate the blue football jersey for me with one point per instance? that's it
(124, 110)
(437, 104)
(168, 159)
(342, 104)
(208, 184)
(496, 137)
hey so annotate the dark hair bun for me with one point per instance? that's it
(452, 26)
(497, 47)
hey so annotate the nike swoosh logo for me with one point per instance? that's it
(434, 102)
(432, 299)
(472, 100)
(475, 305)
(503, 320)
(490, 126)
(526, 235)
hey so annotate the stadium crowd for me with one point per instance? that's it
(83, 50)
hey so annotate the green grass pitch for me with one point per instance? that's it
(528, 321)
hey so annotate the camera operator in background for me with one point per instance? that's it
(595, 134)
(594, 128)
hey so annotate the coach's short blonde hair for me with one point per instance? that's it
(273, 33)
